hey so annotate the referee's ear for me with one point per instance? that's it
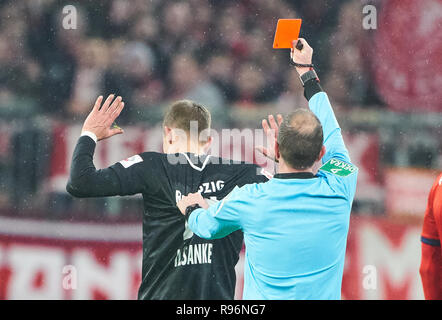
(321, 153)
(277, 153)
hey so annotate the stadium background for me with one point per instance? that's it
(384, 84)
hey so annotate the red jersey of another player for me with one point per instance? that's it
(431, 263)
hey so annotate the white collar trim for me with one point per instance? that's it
(194, 166)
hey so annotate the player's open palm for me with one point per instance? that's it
(102, 117)
(271, 129)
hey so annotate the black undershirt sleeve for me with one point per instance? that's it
(84, 179)
(311, 88)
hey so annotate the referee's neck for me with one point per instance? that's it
(284, 168)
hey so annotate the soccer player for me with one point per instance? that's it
(295, 225)
(431, 262)
(176, 263)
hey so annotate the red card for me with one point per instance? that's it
(287, 30)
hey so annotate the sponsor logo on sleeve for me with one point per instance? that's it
(339, 167)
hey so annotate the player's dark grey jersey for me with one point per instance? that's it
(176, 263)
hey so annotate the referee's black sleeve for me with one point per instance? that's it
(84, 179)
(311, 88)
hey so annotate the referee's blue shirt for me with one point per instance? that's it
(295, 225)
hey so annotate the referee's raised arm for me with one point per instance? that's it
(319, 103)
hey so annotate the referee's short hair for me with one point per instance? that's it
(181, 113)
(300, 139)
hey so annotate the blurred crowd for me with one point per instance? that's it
(152, 52)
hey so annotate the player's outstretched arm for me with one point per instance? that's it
(84, 179)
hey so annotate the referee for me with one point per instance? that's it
(295, 225)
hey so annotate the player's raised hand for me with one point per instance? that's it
(271, 129)
(303, 56)
(190, 200)
(100, 120)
